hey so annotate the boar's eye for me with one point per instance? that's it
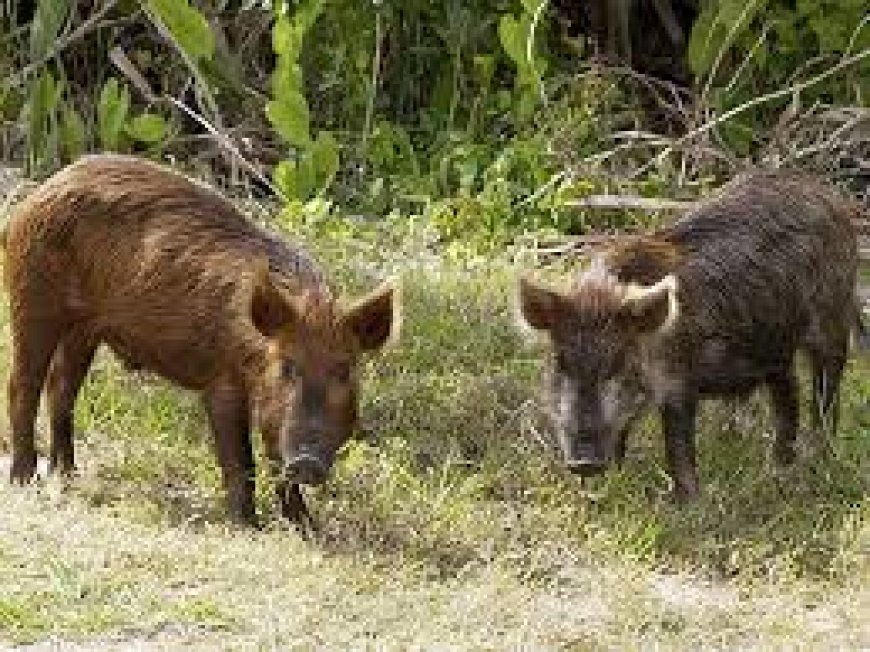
(563, 364)
(340, 372)
(289, 369)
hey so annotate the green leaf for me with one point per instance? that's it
(147, 128)
(324, 159)
(112, 110)
(187, 25)
(294, 180)
(286, 40)
(48, 19)
(511, 37)
(41, 110)
(702, 46)
(290, 117)
(72, 132)
(531, 6)
(286, 78)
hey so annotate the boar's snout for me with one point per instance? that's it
(586, 467)
(585, 459)
(306, 466)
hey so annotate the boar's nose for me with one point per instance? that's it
(586, 467)
(306, 467)
(585, 459)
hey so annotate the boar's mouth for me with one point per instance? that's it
(586, 460)
(306, 467)
(586, 467)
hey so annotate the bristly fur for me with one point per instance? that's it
(764, 269)
(174, 279)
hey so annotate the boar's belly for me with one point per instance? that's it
(722, 369)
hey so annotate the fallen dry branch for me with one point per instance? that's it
(629, 202)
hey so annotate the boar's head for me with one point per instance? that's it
(307, 392)
(600, 331)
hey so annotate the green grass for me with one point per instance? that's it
(450, 519)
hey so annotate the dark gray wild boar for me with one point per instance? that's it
(175, 280)
(713, 306)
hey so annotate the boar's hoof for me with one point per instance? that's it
(685, 494)
(244, 519)
(784, 454)
(23, 469)
(586, 467)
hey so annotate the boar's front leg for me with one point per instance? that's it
(678, 422)
(228, 411)
(784, 397)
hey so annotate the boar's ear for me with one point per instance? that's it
(653, 308)
(539, 307)
(270, 310)
(374, 319)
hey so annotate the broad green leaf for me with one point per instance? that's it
(112, 110)
(294, 179)
(48, 19)
(511, 37)
(147, 128)
(284, 176)
(305, 177)
(72, 132)
(286, 40)
(290, 117)
(324, 159)
(286, 78)
(187, 25)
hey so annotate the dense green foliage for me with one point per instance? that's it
(484, 117)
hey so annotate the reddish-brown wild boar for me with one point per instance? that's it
(175, 280)
(715, 305)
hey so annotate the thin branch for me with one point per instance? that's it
(119, 58)
(376, 71)
(225, 142)
(762, 99)
(629, 202)
(530, 49)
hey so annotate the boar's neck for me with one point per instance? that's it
(644, 260)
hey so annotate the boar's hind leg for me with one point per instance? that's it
(34, 342)
(229, 415)
(784, 397)
(69, 366)
(827, 372)
(678, 421)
